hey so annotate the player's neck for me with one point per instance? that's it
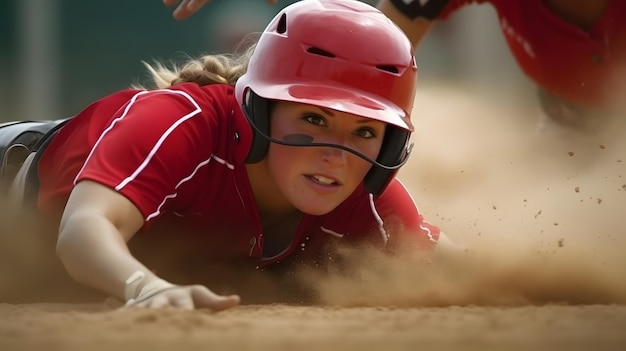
(580, 13)
(280, 219)
(269, 200)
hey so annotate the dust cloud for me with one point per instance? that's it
(539, 210)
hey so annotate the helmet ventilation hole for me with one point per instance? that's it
(318, 51)
(392, 69)
(282, 24)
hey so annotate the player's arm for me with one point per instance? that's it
(96, 224)
(107, 207)
(414, 17)
(186, 8)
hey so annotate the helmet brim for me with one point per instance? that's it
(342, 100)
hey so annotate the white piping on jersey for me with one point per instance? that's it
(331, 232)
(186, 179)
(158, 210)
(223, 161)
(254, 244)
(424, 228)
(430, 235)
(182, 181)
(381, 224)
(159, 142)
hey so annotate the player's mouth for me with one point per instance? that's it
(322, 180)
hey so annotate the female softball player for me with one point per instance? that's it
(266, 158)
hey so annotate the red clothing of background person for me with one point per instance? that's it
(575, 51)
(576, 64)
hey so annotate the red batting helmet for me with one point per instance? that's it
(343, 55)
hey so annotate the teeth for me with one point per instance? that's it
(323, 180)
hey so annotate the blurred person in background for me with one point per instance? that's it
(573, 50)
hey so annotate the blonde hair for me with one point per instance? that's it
(208, 69)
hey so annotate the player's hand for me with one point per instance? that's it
(186, 297)
(186, 8)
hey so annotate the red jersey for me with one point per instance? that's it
(178, 155)
(579, 66)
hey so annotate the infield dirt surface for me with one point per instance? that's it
(540, 210)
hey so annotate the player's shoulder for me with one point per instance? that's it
(195, 94)
(396, 195)
(396, 199)
(192, 88)
(190, 100)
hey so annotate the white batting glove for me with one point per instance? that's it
(160, 293)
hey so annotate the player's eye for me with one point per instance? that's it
(367, 133)
(315, 119)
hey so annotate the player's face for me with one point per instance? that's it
(317, 179)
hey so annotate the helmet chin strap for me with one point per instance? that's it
(301, 140)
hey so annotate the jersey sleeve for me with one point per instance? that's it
(401, 219)
(151, 146)
(389, 220)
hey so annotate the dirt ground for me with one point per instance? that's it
(539, 212)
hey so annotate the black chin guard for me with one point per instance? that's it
(393, 154)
